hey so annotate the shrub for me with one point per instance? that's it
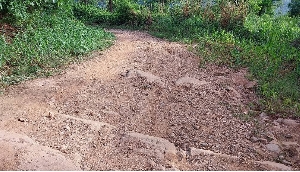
(232, 14)
(130, 13)
(92, 14)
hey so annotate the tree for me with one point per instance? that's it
(294, 8)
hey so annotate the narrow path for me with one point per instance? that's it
(143, 104)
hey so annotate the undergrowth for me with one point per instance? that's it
(45, 43)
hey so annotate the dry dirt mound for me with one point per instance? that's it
(144, 104)
(19, 152)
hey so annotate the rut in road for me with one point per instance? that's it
(142, 104)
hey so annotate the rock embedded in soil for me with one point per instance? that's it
(273, 147)
(288, 136)
(204, 144)
(188, 80)
(275, 166)
(22, 119)
(250, 84)
(290, 144)
(255, 139)
(264, 117)
(290, 122)
(147, 75)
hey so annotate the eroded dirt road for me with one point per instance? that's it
(143, 104)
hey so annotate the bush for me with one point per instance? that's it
(130, 13)
(232, 15)
(92, 14)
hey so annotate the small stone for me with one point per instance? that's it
(276, 123)
(263, 116)
(196, 127)
(160, 168)
(288, 136)
(22, 120)
(273, 147)
(179, 155)
(185, 147)
(264, 141)
(286, 162)
(63, 148)
(279, 120)
(204, 144)
(234, 91)
(172, 135)
(152, 163)
(172, 169)
(250, 84)
(281, 157)
(125, 74)
(67, 128)
(50, 115)
(254, 139)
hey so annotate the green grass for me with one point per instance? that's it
(47, 43)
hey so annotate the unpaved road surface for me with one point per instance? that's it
(143, 104)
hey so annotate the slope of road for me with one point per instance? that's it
(143, 104)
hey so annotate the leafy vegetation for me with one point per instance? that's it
(48, 36)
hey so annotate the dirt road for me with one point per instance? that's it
(143, 104)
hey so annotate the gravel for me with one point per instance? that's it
(144, 104)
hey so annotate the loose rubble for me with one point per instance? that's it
(143, 104)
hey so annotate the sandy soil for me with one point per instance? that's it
(143, 104)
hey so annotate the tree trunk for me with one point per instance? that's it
(110, 6)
